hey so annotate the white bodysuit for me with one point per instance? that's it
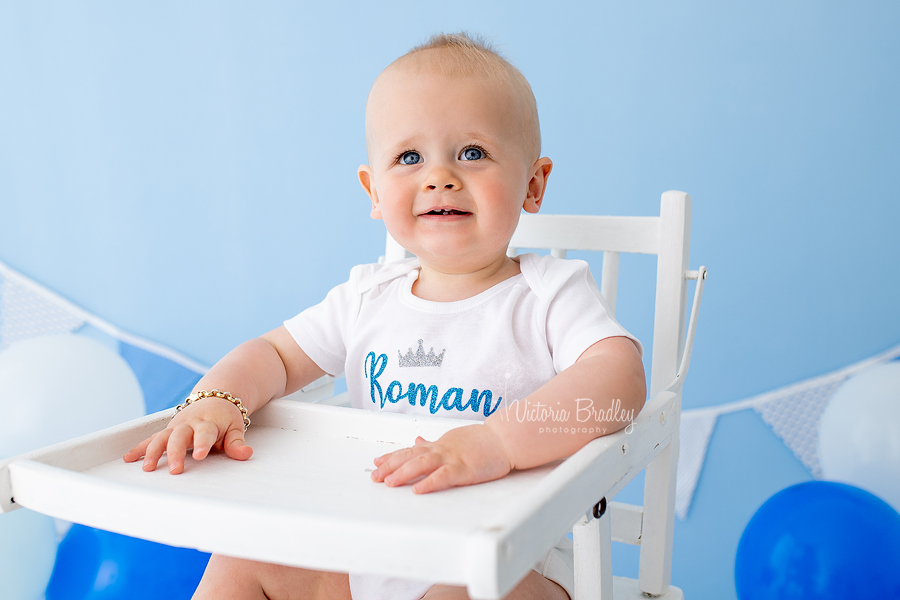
(460, 359)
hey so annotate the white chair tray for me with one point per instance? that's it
(306, 498)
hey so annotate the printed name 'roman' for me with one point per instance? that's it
(451, 399)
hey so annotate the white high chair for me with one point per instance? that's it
(324, 511)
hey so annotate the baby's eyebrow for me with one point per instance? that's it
(403, 145)
(408, 142)
(478, 136)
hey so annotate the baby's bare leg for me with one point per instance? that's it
(534, 587)
(229, 578)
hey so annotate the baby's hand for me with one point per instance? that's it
(203, 425)
(462, 456)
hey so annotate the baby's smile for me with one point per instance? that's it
(445, 213)
(452, 211)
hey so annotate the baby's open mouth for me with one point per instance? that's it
(451, 211)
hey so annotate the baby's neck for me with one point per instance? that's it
(443, 286)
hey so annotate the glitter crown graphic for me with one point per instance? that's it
(420, 359)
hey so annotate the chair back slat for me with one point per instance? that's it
(598, 234)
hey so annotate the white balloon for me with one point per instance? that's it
(859, 434)
(28, 546)
(57, 387)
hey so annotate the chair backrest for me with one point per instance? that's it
(667, 236)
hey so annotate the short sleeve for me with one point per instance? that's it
(577, 316)
(321, 330)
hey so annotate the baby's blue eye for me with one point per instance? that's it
(472, 154)
(410, 158)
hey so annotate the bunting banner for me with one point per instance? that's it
(29, 310)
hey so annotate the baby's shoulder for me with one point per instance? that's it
(368, 276)
(547, 275)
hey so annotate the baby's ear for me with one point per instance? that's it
(367, 180)
(537, 185)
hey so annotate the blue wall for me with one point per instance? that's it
(187, 171)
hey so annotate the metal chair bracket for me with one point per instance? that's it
(600, 508)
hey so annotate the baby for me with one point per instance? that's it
(453, 145)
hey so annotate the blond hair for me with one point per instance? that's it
(464, 55)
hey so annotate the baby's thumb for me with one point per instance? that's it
(234, 445)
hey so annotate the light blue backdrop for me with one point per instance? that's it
(187, 171)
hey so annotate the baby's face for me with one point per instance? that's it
(449, 171)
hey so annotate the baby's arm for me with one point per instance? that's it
(608, 371)
(607, 375)
(267, 367)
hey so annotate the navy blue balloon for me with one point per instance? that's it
(92, 564)
(820, 540)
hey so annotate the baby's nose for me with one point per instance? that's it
(441, 178)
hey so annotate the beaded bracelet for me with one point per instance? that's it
(215, 394)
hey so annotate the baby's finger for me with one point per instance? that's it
(380, 460)
(155, 449)
(205, 435)
(441, 478)
(423, 464)
(234, 445)
(404, 454)
(138, 451)
(181, 438)
(388, 463)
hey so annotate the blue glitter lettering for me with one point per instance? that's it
(422, 395)
(475, 399)
(456, 403)
(486, 396)
(418, 390)
(370, 365)
(389, 394)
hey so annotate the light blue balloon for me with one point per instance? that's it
(27, 553)
(858, 433)
(57, 387)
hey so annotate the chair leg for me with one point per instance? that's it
(655, 573)
(593, 558)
